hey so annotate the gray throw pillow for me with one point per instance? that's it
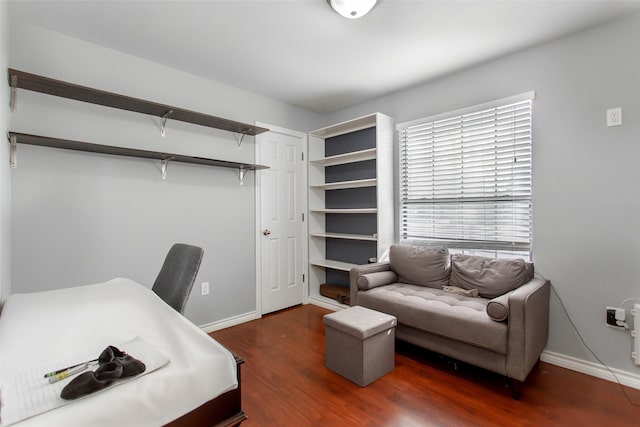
(492, 277)
(498, 308)
(379, 278)
(421, 265)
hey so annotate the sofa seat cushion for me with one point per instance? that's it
(457, 317)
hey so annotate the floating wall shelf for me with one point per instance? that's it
(43, 141)
(33, 82)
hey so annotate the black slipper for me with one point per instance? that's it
(113, 364)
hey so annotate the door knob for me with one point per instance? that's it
(266, 232)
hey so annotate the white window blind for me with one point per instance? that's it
(465, 179)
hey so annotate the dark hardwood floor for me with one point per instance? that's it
(285, 383)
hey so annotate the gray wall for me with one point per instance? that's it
(586, 226)
(5, 170)
(82, 218)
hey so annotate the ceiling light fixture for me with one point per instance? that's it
(352, 9)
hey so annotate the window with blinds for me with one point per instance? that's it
(465, 179)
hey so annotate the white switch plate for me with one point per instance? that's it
(204, 288)
(614, 117)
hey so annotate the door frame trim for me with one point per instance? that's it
(258, 213)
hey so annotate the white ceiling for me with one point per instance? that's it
(303, 53)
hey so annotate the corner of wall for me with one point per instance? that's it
(5, 170)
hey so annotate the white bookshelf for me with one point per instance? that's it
(336, 265)
(342, 159)
(346, 211)
(358, 183)
(376, 159)
(372, 237)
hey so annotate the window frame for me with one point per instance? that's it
(476, 247)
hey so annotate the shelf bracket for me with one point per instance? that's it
(163, 167)
(239, 137)
(241, 173)
(13, 156)
(164, 122)
(14, 93)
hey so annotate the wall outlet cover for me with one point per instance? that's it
(614, 116)
(612, 318)
(204, 288)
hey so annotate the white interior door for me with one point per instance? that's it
(281, 240)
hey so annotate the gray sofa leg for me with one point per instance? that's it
(516, 386)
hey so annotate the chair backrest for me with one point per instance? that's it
(175, 280)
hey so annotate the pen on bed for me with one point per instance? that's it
(68, 373)
(59, 371)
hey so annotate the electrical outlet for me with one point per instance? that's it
(614, 117)
(615, 317)
(204, 288)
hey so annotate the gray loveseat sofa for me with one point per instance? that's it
(503, 329)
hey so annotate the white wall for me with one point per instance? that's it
(586, 225)
(83, 218)
(5, 170)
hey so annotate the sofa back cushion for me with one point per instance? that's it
(491, 277)
(421, 265)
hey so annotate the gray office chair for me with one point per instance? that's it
(179, 271)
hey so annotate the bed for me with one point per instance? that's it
(200, 385)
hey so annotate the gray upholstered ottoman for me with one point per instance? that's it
(360, 344)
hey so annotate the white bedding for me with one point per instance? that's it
(55, 325)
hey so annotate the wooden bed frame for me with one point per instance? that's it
(223, 411)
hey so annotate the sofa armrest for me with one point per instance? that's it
(360, 270)
(528, 326)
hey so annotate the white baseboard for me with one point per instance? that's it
(228, 322)
(595, 370)
(324, 304)
(253, 315)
